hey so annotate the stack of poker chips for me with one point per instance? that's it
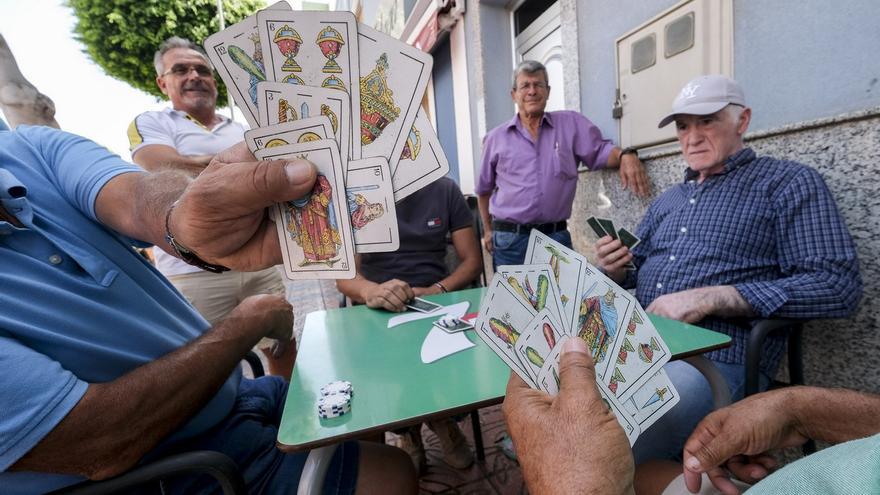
(335, 399)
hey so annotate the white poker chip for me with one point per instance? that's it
(447, 321)
(333, 406)
(337, 387)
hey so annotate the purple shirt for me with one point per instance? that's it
(535, 182)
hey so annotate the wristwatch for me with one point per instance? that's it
(629, 150)
(186, 254)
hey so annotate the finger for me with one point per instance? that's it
(747, 471)
(279, 347)
(624, 180)
(721, 480)
(252, 186)
(710, 445)
(239, 152)
(577, 373)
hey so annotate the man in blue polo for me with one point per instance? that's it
(103, 363)
(742, 237)
(529, 169)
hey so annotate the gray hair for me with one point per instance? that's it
(734, 111)
(172, 43)
(529, 67)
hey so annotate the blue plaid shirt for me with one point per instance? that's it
(768, 227)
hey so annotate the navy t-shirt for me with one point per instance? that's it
(424, 219)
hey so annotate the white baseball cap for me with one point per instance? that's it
(705, 95)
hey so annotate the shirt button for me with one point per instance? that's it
(672, 258)
(692, 201)
(684, 230)
(659, 285)
(55, 259)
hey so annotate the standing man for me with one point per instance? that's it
(529, 170)
(186, 138)
(742, 237)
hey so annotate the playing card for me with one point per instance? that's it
(608, 227)
(452, 325)
(597, 228)
(626, 420)
(537, 340)
(627, 238)
(653, 400)
(422, 305)
(639, 354)
(314, 48)
(548, 375)
(394, 76)
(280, 102)
(604, 309)
(371, 205)
(237, 56)
(503, 316)
(568, 269)
(315, 231)
(422, 160)
(537, 286)
(295, 132)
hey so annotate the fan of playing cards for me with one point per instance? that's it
(530, 310)
(309, 83)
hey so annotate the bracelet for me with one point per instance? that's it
(184, 253)
(442, 287)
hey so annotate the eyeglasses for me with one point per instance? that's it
(539, 86)
(184, 70)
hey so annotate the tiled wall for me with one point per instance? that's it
(846, 151)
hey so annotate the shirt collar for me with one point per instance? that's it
(515, 123)
(223, 119)
(739, 159)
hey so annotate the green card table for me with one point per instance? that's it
(394, 389)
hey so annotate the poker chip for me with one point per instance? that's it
(447, 321)
(333, 406)
(337, 387)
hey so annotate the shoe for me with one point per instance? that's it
(411, 443)
(456, 451)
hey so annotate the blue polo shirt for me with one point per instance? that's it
(77, 304)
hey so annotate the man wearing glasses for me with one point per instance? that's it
(186, 137)
(529, 169)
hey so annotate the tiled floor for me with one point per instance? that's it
(496, 475)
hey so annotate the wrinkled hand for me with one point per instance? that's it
(633, 174)
(689, 306)
(391, 295)
(222, 215)
(274, 316)
(612, 256)
(487, 241)
(570, 443)
(737, 437)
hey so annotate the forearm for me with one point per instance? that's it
(835, 415)
(356, 288)
(117, 422)
(614, 158)
(483, 206)
(463, 275)
(725, 301)
(161, 158)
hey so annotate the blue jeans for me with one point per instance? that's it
(665, 439)
(248, 436)
(509, 248)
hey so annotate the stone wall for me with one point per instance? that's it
(846, 151)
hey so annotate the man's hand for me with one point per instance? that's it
(737, 437)
(633, 174)
(612, 256)
(222, 216)
(570, 443)
(275, 315)
(391, 295)
(487, 240)
(426, 291)
(691, 306)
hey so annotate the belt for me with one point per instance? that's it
(545, 228)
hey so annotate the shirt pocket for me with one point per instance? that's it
(564, 164)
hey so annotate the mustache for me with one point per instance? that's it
(196, 85)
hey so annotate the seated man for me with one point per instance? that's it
(102, 363)
(742, 237)
(389, 280)
(572, 443)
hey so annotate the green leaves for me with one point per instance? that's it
(121, 36)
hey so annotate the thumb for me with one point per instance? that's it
(251, 186)
(710, 445)
(577, 373)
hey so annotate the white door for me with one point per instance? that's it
(542, 41)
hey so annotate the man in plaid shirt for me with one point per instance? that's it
(743, 237)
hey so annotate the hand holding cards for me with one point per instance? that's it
(530, 310)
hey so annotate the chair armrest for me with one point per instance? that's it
(254, 362)
(755, 348)
(218, 465)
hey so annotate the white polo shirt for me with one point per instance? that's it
(189, 137)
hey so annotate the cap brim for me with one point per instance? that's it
(693, 109)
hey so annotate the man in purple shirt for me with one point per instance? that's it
(528, 173)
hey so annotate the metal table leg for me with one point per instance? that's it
(312, 480)
(720, 390)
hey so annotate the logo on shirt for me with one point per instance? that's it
(435, 222)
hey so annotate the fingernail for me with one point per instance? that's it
(757, 474)
(574, 344)
(298, 172)
(692, 463)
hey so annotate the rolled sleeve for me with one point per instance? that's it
(765, 298)
(486, 180)
(590, 147)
